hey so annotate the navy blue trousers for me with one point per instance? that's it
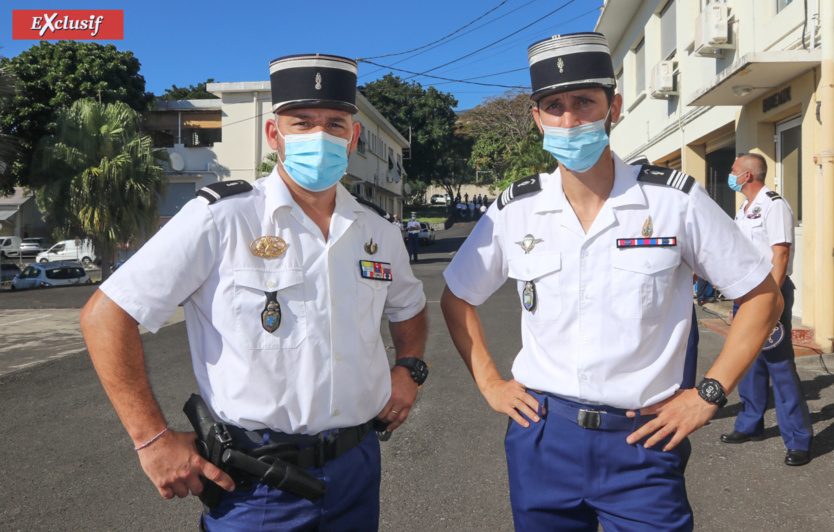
(776, 365)
(351, 502)
(568, 478)
(413, 244)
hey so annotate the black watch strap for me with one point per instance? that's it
(418, 368)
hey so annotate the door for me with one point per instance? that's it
(788, 183)
(719, 165)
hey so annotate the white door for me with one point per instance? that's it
(788, 183)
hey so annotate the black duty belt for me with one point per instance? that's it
(595, 417)
(301, 450)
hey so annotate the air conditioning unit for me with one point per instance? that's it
(712, 31)
(662, 84)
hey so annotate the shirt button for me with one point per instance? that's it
(647, 265)
(336, 412)
(270, 284)
(585, 339)
(584, 253)
(337, 357)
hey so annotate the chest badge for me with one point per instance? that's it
(528, 296)
(268, 247)
(648, 229)
(370, 247)
(271, 315)
(380, 271)
(528, 243)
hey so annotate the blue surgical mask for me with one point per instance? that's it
(577, 148)
(315, 161)
(732, 180)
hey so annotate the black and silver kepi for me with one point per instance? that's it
(569, 62)
(313, 80)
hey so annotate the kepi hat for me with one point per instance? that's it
(313, 80)
(569, 62)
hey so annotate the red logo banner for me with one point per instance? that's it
(68, 24)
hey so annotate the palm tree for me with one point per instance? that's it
(99, 176)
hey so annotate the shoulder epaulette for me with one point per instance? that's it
(773, 195)
(376, 208)
(223, 189)
(528, 185)
(660, 175)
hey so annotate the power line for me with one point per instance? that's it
(485, 24)
(446, 79)
(442, 38)
(496, 42)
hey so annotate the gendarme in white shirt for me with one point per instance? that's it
(768, 221)
(325, 366)
(610, 323)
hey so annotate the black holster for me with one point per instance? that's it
(216, 445)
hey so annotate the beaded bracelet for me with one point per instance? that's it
(140, 447)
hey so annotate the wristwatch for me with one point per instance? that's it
(711, 391)
(419, 369)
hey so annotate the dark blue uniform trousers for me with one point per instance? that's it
(351, 502)
(413, 244)
(568, 478)
(778, 366)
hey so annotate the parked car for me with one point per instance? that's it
(8, 271)
(34, 245)
(74, 250)
(49, 274)
(443, 199)
(426, 235)
(9, 246)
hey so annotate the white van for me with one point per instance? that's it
(9, 246)
(75, 250)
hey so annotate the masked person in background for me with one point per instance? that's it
(602, 254)
(270, 276)
(767, 220)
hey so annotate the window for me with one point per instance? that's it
(782, 4)
(667, 30)
(640, 67)
(191, 128)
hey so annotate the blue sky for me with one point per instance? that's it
(185, 43)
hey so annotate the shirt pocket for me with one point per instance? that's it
(545, 270)
(641, 278)
(250, 298)
(371, 294)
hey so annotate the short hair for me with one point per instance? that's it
(757, 168)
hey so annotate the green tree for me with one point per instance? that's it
(104, 178)
(428, 114)
(52, 76)
(529, 158)
(8, 143)
(191, 92)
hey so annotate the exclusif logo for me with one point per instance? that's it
(68, 24)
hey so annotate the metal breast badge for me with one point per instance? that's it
(528, 243)
(268, 247)
(370, 247)
(648, 229)
(528, 297)
(271, 315)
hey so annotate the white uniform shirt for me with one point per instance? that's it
(610, 324)
(325, 366)
(768, 222)
(413, 226)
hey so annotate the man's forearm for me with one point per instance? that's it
(781, 255)
(468, 336)
(409, 336)
(115, 348)
(757, 314)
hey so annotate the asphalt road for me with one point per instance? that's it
(67, 463)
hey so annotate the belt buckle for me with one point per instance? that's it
(588, 419)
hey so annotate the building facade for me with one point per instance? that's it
(224, 139)
(705, 80)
